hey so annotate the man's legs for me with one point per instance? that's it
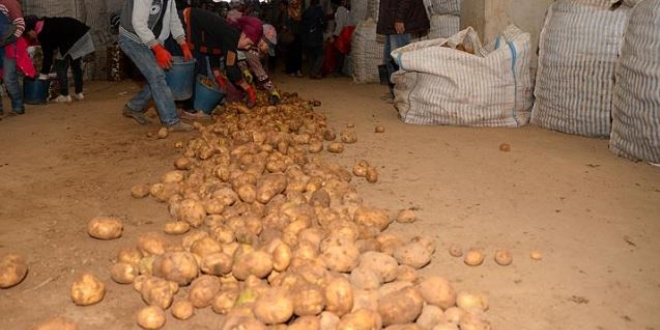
(392, 42)
(156, 86)
(62, 69)
(13, 86)
(76, 68)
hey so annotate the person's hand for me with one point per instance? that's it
(248, 76)
(222, 81)
(399, 27)
(251, 99)
(163, 57)
(187, 54)
(274, 97)
(42, 76)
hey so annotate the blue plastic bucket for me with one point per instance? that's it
(180, 78)
(206, 98)
(35, 91)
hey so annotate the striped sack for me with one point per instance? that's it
(366, 53)
(438, 84)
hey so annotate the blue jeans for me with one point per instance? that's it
(156, 86)
(392, 42)
(10, 77)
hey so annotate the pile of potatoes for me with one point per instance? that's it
(270, 235)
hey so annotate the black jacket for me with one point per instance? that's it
(312, 26)
(411, 12)
(59, 33)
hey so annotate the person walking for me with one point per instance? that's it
(144, 26)
(13, 12)
(72, 41)
(398, 20)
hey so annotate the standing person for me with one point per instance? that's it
(291, 31)
(144, 27)
(397, 20)
(211, 36)
(13, 12)
(342, 35)
(313, 25)
(72, 40)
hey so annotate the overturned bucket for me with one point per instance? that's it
(207, 94)
(35, 91)
(180, 78)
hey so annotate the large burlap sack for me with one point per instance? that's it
(636, 105)
(481, 87)
(445, 7)
(444, 26)
(579, 45)
(366, 53)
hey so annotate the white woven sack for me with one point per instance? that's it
(444, 26)
(636, 105)
(579, 45)
(366, 53)
(359, 10)
(445, 7)
(437, 84)
(372, 9)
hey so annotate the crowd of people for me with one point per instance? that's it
(230, 42)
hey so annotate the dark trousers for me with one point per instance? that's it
(315, 56)
(62, 69)
(294, 56)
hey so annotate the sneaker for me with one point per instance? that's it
(135, 115)
(180, 127)
(79, 96)
(63, 99)
(196, 115)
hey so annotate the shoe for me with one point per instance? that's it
(16, 112)
(180, 127)
(196, 115)
(63, 99)
(135, 115)
(79, 96)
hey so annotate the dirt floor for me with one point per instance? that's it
(594, 216)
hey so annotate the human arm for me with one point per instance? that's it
(15, 15)
(176, 27)
(402, 8)
(140, 22)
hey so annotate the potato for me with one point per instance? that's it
(13, 270)
(384, 265)
(205, 246)
(281, 256)
(426, 241)
(438, 291)
(129, 255)
(242, 323)
(203, 290)
(503, 257)
(407, 326)
(192, 212)
(257, 263)
(274, 306)
(176, 227)
(360, 168)
(310, 322)
(308, 299)
(183, 163)
(379, 129)
(270, 185)
(57, 323)
(152, 243)
(151, 318)
(105, 227)
(157, 291)
(173, 177)
(365, 278)
(400, 307)
(372, 217)
(182, 309)
(407, 274)
(342, 257)
(214, 206)
(470, 301)
(315, 146)
(446, 326)
(224, 300)
(431, 315)
(454, 314)
(163, 192)
(177, 267)
(338, 296)
(140, 190)
(474, 257)
(455, 251)
(365, 299)
(361, 319)
(247, 192)
(335, 147)
(87, 290)
(406, 216)
(329, 134)
(413, 254)
(163, 133)
(146, 265)
(371, 174)
(473, 321)
(124, 273)
(190, 238)
(387, 243)
(348, 136)
(217, 264)
(536, 255)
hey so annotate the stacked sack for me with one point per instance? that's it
(579, 47)
(444, 16)
(636, 104)
(366, 52)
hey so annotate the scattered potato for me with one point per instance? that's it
(503, 257)
(105, 227)
(329, 134)
(406, 216)
(274, 306)
(339, 296)
(372, 217)
(176, 227)
(438, 291)
(469, 301)
(360, 319)
(400, 307)
(178, 267)
(152, 243)
(156, 291)
(536, 255)
(413, 254)
(183, 309)
(217, 264)
(309, 322)
(13, 270)
(348, 136)
(256, 263)
(87, 290)
(505, 147)
(151, 318)
(379, 129)
(57, 323)
(192, 212)
(430, 316)
(203, 290)
(140, 190)
(454, 314)
(163, 133)
(473, 321)
(372, 174)
(335, 147)
(474, 257)
(384, 265)
(455, 251)
(308, 299)
(124, 273)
